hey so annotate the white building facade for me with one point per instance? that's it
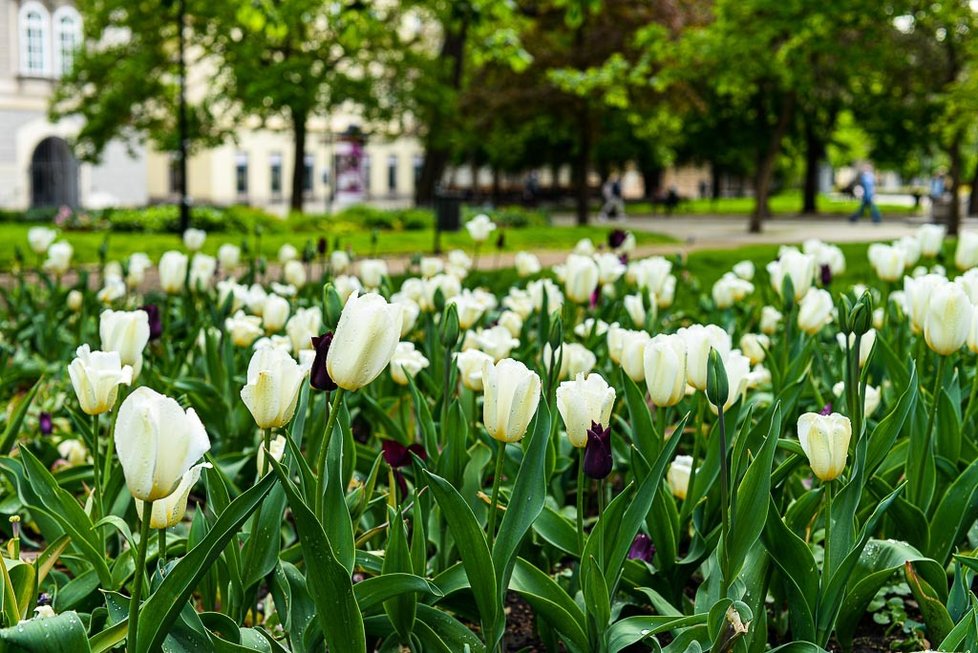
(38, 39)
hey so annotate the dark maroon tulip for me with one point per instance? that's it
(501, 240)
(826, 273)
(319, 376)
(46, 423)
(155, 321)
(826, 409)
(597, 452)
(397, 455)
(642, 548)
(595, 296)
(616, 238)
(321, 246)
(623, 258)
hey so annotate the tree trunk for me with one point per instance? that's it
(581, 160)
(716, 179)
(436, 152)
(496, 186)
(765, 166)
(814, 150)
(651, 180)
(954, 211)
(298, 161)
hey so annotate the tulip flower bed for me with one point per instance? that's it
(605, 456)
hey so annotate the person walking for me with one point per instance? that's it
(867, 182)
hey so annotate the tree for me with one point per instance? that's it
(295, 58)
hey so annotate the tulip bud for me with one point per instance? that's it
(318, 375)
(364, 341)
(843, 307)
(470, 363)
(275, 313)
(126, 332)
(450, 326)
(581, 278)
(642, 548)
(825, 441)
(598, 461)
(173, 271)
(96, 376)
(512, 393)
(584, 401)
(556, 332)
(334, 305)
(157, 443)
(814, 311)
(272, 388)
(717, 390)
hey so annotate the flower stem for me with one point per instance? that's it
(827, 544)
(137, 583)
(500, 457)
(334, 410)
(725, 515)
(929, 433)
(580, 501)
(601, 534)
(96, 472)
(267, 443)
(162, 546)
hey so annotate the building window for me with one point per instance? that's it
(276, 175)
(241, 173)
(34, 54)
(67, 39)
(307, 173)
(174, 174)
(392, 174)
(418, 164)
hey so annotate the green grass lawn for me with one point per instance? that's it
(120, 245)
(786, 203)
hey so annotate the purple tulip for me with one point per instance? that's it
(321, 246)
(46, 423)
(826, 409)
(155, 321)
(597, 452)
(319, 376)
(826, 273)
(642, 548)
(616, 238)
(397, 455)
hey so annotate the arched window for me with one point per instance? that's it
(67, 38)
(35, 59)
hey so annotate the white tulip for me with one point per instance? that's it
(744, 270)
(966, 255)
(229, 256)
(610, 268)
(469, 363)
(755, 347)
(339, 261)
(276, 448)
(584, 247)
(815, 310)
(948, 319)
(75, 300)
(480, 227)
(496, 341)
(372, 272)
(527, 264)
(96, 377)
(575, 359)
(276, 313)
(580, 278)
(294, 273)
(799, 267)
(700, 340)
(157, 443)
(678, 476)
(770, 319)
(59, 258)
(825, 441)
(873, 397)
(917, 292)
(272, 389)
(40, 239)
(582, 401)
(632, 356)
(865, 344)
(665, 369)
(303, 325)
(545, 288)
(126, 332)
(173, 271)
(243, 329)
(169, 510)
(406, 362)
(364, 342)
(286, 253)
(202, 269)
(512, 393)
(193, 239)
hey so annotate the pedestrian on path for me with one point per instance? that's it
(867, 182)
